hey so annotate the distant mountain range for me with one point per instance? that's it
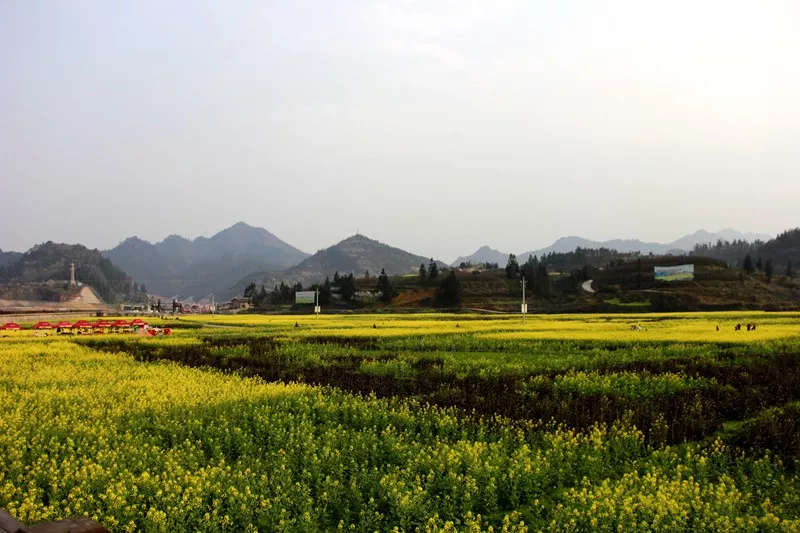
(569, 244)
(51, 262)
(357, 254)
(231, 259)
(195, 268)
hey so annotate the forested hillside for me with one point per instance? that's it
(50, 262)
(783, 252)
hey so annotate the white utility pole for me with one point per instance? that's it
(524, 305)
(316, 302)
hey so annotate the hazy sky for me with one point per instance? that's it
(435, 126)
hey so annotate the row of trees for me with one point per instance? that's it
(781, 250)
(749, 266)
(345, 285)
(284, 294)
(280, 294)
(731, 252)
(534, 272)
(486, 266)
(429, 275)
(448, 293)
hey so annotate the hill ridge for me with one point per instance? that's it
(50, 262)
(355, 254)
(196, 267)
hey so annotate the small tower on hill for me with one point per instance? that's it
(72, 275)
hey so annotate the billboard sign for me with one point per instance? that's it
(674, 273)
(304, 297)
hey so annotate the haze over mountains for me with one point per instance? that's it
(568, 244)
(195, 268)
(228, 261)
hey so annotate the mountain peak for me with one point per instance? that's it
(357, 254)
(358, 237)
(484, 254)
(241, 227)
(703, 234)
(196, 267)
(242, 237)
(133, 241)
(174, 238)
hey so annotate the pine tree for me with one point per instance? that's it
(541, 282)
(285, 294)
(449, 291)
(385, 287)
(433, 270)
(250, 292)
(347, 287)
(262, 296)
(768, 271)
(423, 274)
(748, 264)
(639, 273)
(528, 269)
(325, 292)
(789, 271)
(759, 264)
(512, 267)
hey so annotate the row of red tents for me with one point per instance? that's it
(80, 324)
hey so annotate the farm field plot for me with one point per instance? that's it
(616, 327)
(428, 422)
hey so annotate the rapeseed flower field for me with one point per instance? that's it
(688, 327)
(409, 423)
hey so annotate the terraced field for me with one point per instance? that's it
(429, 422)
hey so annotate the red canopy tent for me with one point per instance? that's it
(64, 325)
(43, 325)
(101, 324)
(10, 326)
(120, 324)
(81, 324)
(138, 322)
